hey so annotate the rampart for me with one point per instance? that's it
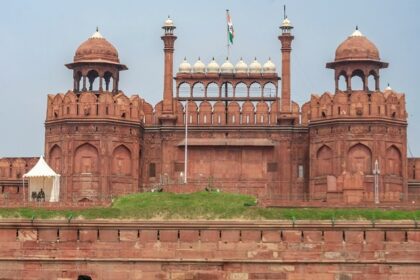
(209, 250)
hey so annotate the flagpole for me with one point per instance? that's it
(186, 143)
(227, 34)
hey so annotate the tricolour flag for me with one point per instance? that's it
(231, 32)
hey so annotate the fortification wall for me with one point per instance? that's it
(209, 250)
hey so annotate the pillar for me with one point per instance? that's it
(286, 48)
(168, 40)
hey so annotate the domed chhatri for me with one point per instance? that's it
(357, 47)
(96, 58)
(269, 67)
(357, 56)
(227, 67)
(241, 67)
(199, 67)
(255, 67)
(213, 67)
(184, 67)
(96, 49)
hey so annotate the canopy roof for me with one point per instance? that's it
(41, 169)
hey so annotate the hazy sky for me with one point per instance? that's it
(39, 37)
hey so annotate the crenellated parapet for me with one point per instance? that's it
(385, 105)
(95, 106)
(13, 168)
(215, 113)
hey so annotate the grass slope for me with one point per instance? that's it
(205, 205)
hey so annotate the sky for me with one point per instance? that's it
(39, 37)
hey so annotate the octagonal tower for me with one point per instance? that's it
(351, 130)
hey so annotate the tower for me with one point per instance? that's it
(356, 132)
(93, 133)
(286, 38)
(168, 116)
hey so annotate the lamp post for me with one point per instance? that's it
(376, 172)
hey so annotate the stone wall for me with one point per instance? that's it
(209, 250)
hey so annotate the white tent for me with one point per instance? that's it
(41, 176)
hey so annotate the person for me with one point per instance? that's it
(42, 195)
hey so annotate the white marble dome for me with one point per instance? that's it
(269, 67)
(199, 67)
(255, 67)
(184, 67)
(227, 67)
(241, 67)
(213, 67)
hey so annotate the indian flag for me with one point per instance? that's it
(231, 32)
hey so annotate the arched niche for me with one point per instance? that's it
(121, 161)
(360, 159)
(393, 161)
(324, 164)
(109, 80)
(55, 157)
(86, 159)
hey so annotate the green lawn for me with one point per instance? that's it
(205, 205)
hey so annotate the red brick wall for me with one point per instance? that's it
(209, 250)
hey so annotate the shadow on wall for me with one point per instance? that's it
(84, 277)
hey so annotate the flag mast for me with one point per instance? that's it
(227, 34)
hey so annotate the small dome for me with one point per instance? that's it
(96, 49)
(286, 24)
(184, 67)
(357, 47)
(269, 67)
(241, 67)
(227, 67)
(168, 22)
(255, 67)
(213, 67)
(199, 67)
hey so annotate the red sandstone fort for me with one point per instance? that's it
(245, 134)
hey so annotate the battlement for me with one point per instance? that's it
(387, 104)
(93, 105)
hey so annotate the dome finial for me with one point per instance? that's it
(97, 29)
(357, 27)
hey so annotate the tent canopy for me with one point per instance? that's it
(41, 169)
(43, 177)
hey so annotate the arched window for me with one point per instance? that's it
(198, 90)
(357, 80)
(227, 90)
(393, 161)
(92, 76)
(360, 159)
(108, 81)
(342, 83)
(324, 158)
(121, 161)
(241, 90)
(212, 90)
(255, 90)
(270, 90)
(184, 90)
(86, 159)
